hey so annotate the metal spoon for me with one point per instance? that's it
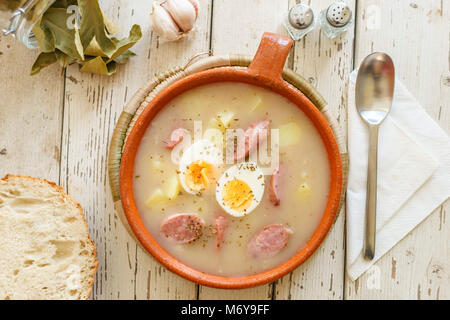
(374, 92)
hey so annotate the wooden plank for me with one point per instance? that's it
(237, 27)
(30, 114)
(92, 106)
(326, 64)
(412, 32)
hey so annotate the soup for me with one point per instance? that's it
(231, 179)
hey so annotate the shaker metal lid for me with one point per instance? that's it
(301, 16)
(339, 14)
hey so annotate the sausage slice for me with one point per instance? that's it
(183, 227)
(221, 223)
(274, 187)
(175, 138)
(269, 241)
(254, 135)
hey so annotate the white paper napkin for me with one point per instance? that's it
(413, 174)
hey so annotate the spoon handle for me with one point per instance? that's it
(371, 194)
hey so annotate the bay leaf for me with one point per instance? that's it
(111, 67)
(124, 57)
(67, 40)
(98, 65)
(94, 49)
(111, 27)
(43, 60)
(94, 65)
(37, 9)
(64, 3)
(11, 5)
(44, 38)
(126, 43)
(63, 59)
(92, 25)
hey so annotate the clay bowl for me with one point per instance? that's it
(264, 71)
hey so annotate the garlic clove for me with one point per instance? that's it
(183, 12)
(163, 24)
(196, 6)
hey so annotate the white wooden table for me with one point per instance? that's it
(57, 126)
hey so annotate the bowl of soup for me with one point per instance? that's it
(231, 177)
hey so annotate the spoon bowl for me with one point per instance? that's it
(375, 87)
(373, 96)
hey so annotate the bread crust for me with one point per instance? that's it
(68, 197)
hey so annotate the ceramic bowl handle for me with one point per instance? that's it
(271, 56)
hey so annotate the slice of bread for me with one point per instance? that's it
(45, 248)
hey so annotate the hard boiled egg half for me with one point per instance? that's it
(198, 166)
(240, 189)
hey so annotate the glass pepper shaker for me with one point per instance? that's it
(17, 18)
(336, 19)
(299, 21)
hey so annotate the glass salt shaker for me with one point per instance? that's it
(336, 19)
(299, 21)
(17, 18)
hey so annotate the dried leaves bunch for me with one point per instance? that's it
(88, 43)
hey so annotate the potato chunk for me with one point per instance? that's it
(157, 197)
(225, 118)
(222, 121)
(289, 134)
(172, 187)
(214, 123)
(255, 103)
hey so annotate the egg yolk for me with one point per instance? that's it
(198, 175)
(237, 195)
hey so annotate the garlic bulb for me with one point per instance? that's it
(173, 19)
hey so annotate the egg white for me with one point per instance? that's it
(200, 150)
(252, 175)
